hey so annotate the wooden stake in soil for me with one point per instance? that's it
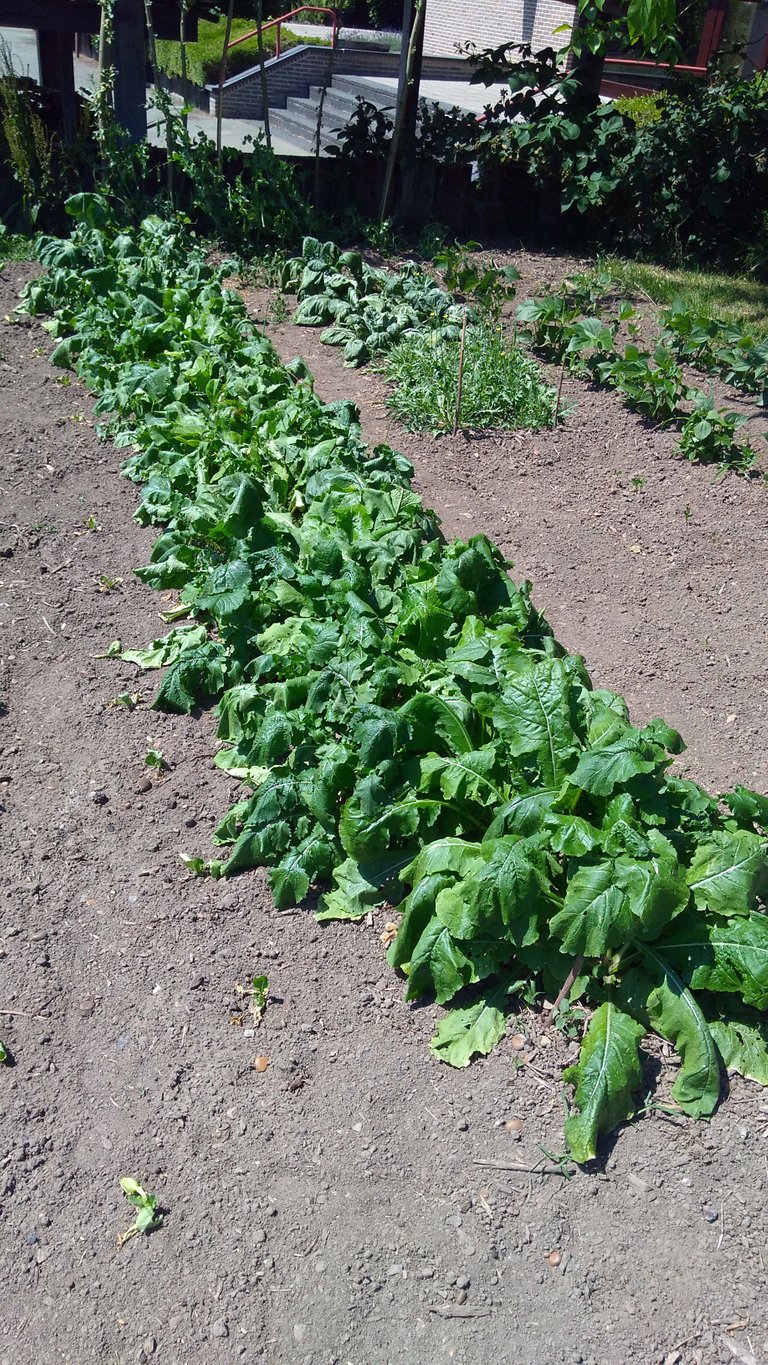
(559, 391)
(222, 78)
(263, 72)
(460, 382)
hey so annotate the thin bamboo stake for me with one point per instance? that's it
(559, 391)
(183, 56)
(222, 78)
(263, 72)
(163, 104)
(402, 99)
(321, 105)
(460, 383)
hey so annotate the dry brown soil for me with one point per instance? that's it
(357, 1201)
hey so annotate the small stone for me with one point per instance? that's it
(463, 1282)
(197, 983)
(149, 1345)
(144, 785)
(299, 1331)
(461, 1297)
(259, 1236)
(87, 1006)
(99, 798)
(462, 1125)
(220, 1329)
(42, 960)
(711, 1215)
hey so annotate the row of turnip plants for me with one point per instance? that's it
(407, 729)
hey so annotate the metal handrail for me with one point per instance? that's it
(302, 9)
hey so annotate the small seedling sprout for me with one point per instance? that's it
(147, 1217)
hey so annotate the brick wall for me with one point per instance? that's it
(449, 22)
(301, 67)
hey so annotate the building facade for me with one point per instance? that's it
(449, 23)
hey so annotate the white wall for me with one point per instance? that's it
(493, 22)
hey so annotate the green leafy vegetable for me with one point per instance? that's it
(606, 1078)
(409, 735)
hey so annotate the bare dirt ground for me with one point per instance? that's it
(356, 1202)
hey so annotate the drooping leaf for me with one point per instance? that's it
(722, 955)
(749, 808)
(607, 1076)
(168, 648)
(196, 675)
(476, 1029)
(743, 1046)
(291, 879)
(658, 997)
(728, 871)
(360, 886)
(438, 966)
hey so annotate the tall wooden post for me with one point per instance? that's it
(57, 72)
(129, 57)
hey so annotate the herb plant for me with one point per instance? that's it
(407, 729)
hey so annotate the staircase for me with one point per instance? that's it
(298, 121)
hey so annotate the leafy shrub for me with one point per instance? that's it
(443, 135)
(689, 184)
(502, 387)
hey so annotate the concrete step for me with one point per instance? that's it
(341, 102)
(336, 113)
(380, 95)
(300, 127)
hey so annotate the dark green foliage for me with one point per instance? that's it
(691, 183)
(406, 726)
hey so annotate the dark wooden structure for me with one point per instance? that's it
(56, 23)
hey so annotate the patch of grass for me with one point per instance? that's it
(502, 386)
(738, 299)
(204, 56)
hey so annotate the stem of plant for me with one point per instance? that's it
(183, 54)
(559, 391)
(460, 381)
(578, 963)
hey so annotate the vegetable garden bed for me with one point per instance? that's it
(444, 465)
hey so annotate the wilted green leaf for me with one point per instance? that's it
(607, 1076)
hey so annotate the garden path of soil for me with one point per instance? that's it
(332, 1209)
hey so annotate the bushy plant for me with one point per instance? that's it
(502, 387)
(690, 182)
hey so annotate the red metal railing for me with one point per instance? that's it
(272, 23)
